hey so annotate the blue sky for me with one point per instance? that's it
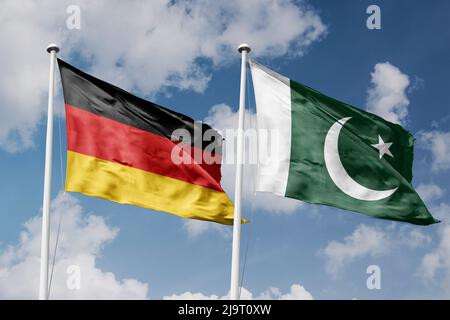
(189, 63)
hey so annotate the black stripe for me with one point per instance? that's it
(84, 91)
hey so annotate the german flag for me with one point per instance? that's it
(121, 147)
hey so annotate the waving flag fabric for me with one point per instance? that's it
(331, 153)
(120, 148)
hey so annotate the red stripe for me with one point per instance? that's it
(110, 140)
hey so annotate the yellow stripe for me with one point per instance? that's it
(112, 181)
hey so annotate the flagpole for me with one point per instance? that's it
(43, 279)
(244, 49)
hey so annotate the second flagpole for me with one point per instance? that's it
(43, 279)
(244, 49)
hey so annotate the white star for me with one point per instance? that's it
(383, 147)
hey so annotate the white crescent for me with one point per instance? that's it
(338, 173)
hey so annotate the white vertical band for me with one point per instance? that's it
(273, 106)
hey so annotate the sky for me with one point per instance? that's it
(183, 55)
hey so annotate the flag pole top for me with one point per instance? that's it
(244, 47)
(52, 47)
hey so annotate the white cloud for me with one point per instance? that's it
(81, 241)
(245, 295)
(430, 192)
(365, 240)
(191, 296)
(387, 95)
(194, 228)
(25, 31)
(441, 211)
(410, 237)
(438, 143)
(143, 46)
(368, 241)
(296, 292)
(435, 265)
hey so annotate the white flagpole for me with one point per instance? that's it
(43, 280)
(244, 49)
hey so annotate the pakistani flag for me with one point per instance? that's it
(331, 153)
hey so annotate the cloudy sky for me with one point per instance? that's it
(183, 55)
